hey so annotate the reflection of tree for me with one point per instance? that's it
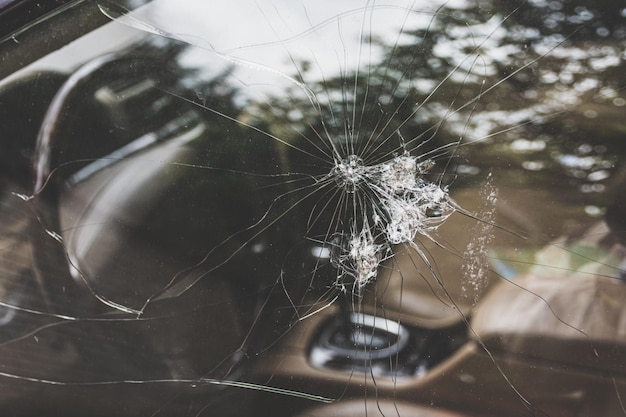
(516, 76)
(578, 19)
(419, 93)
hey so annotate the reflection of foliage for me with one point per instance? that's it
(461, 77)
(464, 77)
(578, 19)
(537, 60)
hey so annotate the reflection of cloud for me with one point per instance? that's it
(335, 38)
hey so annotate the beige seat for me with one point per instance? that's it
(568, 309)
(373, 408)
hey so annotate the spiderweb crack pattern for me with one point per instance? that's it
(404, 205)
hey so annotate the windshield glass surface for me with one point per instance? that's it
(323, 208)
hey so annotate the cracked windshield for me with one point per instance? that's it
(400, 208)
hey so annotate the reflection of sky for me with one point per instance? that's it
(244, 24)
(333, 36)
